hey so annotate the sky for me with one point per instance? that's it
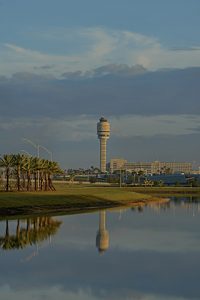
(63, 64)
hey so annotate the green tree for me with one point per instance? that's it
(19, 161)
(7, 162)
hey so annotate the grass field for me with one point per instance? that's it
(69, 198)
(168, 191)
(79, 198)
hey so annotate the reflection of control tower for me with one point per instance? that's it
(102, 238)
(103, 132)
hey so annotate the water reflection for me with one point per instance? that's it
(190, 205)
(30, 231)
(149, 252)
(102, 238)
(34, 230)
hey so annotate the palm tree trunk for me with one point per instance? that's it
(35, 181)
(23, 181)
(18, 178)
(46, 182)
(28, 181)
(50, 184)
(7, 179)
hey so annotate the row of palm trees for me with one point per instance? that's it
(28, 173)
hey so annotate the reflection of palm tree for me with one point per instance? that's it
(19, 241)
(7, 242)
(37, 230)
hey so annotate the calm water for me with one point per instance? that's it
(145, 254)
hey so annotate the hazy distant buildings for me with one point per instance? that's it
(155, 167)
(103, 132)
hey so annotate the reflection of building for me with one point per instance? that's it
(102, 238)
(103, 132)
(155, 167)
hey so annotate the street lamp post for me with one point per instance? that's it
(34, 145)
(48, 151)
(120, 178)
(26, 152)
(37, 146)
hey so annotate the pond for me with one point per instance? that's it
(145, 253)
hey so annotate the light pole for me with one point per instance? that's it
(37, 146)
(120, 178)
(48, 151)
(27, 153)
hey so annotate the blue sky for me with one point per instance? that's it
(73, 35)
(174, 22)
(63, 64)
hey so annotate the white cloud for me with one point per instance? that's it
(88, 48)
(103, 43)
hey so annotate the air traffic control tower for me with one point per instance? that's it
(103, 132)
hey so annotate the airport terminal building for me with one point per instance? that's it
(155, 167)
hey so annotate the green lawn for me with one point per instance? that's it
(168, 191)
(80, 198)
(69, 198)
(72, 196)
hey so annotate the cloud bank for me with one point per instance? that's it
(153, 115)
(89, 48)
(115, 90)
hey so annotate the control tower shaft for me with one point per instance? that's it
(103, 132)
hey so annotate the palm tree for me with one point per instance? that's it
(52, 168)
(26, 168)
(47, 169)
(42, 166)
(7, 162)
(35, 168)
(29, 168)
(19, 161)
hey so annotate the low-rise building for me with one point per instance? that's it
(116, 164)
(155, 167)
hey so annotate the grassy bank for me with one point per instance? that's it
(69, 198)
(168, 191)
